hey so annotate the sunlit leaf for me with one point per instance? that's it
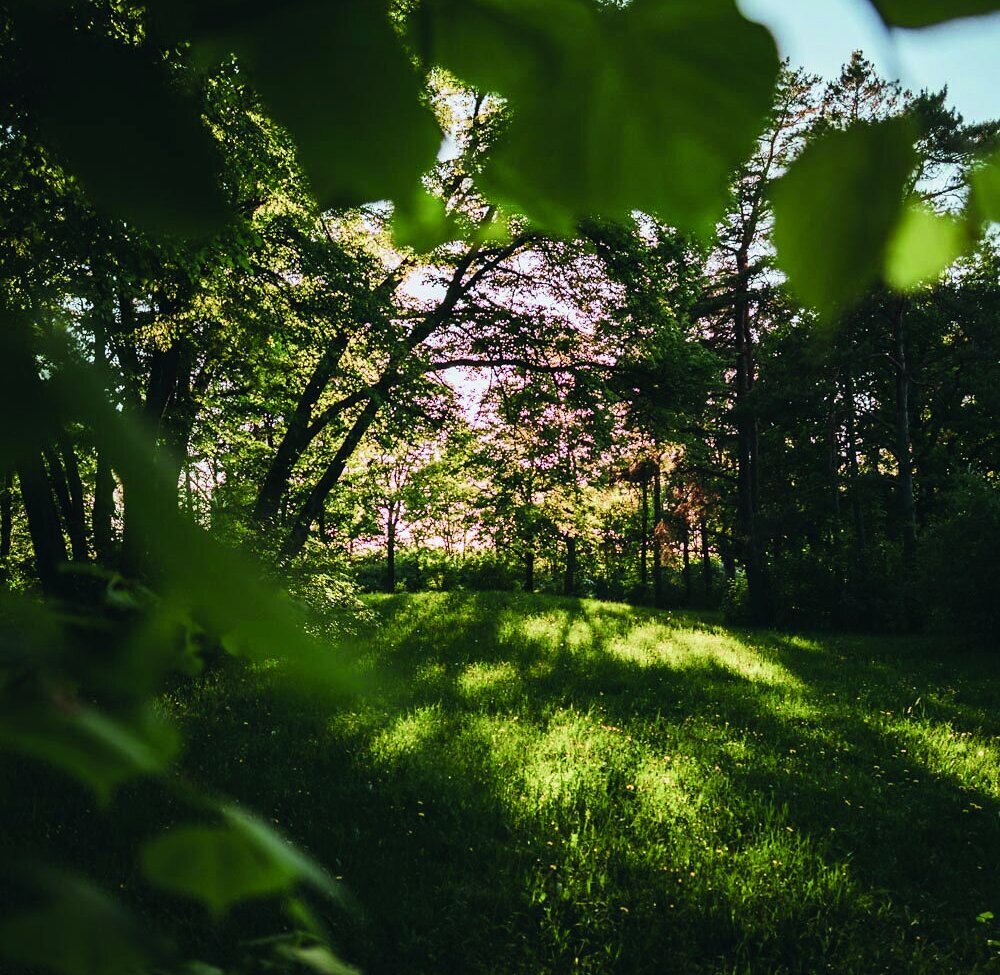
(837, 208)
(646, 106)
(335, 75)
(82, 932)
(924, 244)
(923, 13)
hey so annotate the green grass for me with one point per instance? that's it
(543, 785)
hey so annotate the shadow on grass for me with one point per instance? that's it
(546, 785)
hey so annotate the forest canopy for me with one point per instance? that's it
(304, 300)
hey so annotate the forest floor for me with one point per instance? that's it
(538, 785)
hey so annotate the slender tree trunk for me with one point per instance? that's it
(857, 510)
(904, 447)
(529, 569)
(706, 557)
(390, 551)
(657, 551)
(102, 513)
(904, 465)
(6, 514)
(297, 436)
(644, 543)
(688, 577)
(330, 478)
(748, 452)
(71, 503)
(43, 521)
(569, 584)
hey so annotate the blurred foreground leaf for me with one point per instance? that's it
(645, 106)
(222, 865)
(81, 932)
(924, 244)
(984, 202)
(319, 959)
(133, 140)
(335, 75)
(422, 223)
(93, 747)
(924, 13)
(836, 210)
(214, 865)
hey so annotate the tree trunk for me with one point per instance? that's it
(569, 584)
(390, 551)
(529, 569)
(657, 553)
(331, 476)
(706, 557)
(43, 521)
(748, 451)
(904, 465)
(904, 449)
(70, 502)
(6, 514)
(857, 511)
(297, 437)
(102, 513)
(644, 542)
(688, 577)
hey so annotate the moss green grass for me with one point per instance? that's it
(537, 785)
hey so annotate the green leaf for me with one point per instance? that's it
(136, 144)
(984, 202)
(222, 865)
(81, 932)
(319, 959)
(836, 210)
(215, 865)
(924, 244)
(985, 917)
(282, 852)
(421, 222)
(924, 13)
(91, 746)
(336, 75)
(647, 106)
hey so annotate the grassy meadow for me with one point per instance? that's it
(542, 785)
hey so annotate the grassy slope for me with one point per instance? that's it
(551, 785)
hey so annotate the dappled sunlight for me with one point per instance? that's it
(407, 734)
(736, 656)
(651, 644)
(490, 684)
(574, 762)
(940, 750)
(629, 775)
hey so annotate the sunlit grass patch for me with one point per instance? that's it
(543, 785)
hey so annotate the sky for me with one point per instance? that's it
(820, 35)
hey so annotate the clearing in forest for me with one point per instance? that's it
(553, 785)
